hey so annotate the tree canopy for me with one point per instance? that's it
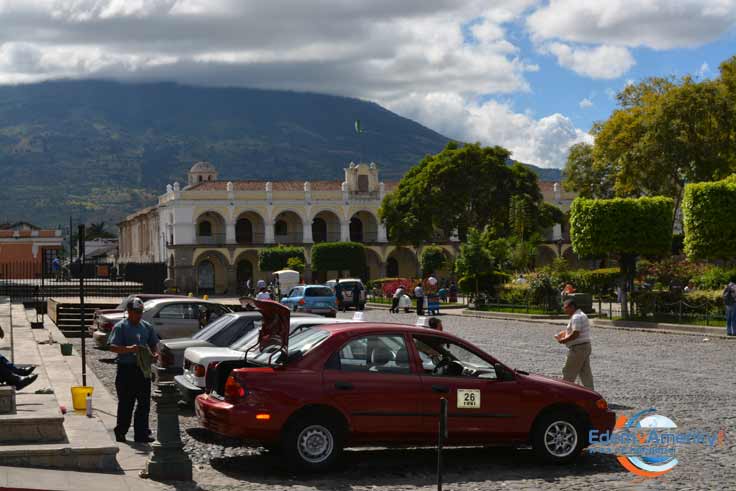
(339, 256)
(432, 259)
(664, 134)
(277, 258)
(460, 188)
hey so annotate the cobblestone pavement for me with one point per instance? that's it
(687, 378)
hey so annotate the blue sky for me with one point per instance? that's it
(500, 72)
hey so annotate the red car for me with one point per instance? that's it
(380, 384)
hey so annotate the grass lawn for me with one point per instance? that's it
(515, 309)
(387, 301)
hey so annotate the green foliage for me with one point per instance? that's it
(277, 258)
(669, 271)
(707, 215)
(98, 231)
(715, 277)
(460, 188)
(339, 256)
(486, 283)
(584, 176)
(432, 259)
(621, 226)
(295, 263)
(514, 294)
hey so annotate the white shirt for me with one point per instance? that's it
(263, 296)
(399, 291)
(418, 292)
(578, 322)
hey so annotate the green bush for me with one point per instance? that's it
(623, 226)
(675, 302)
(515, 294)
(714, 278)
(707, 208)
(488, 283)
(339, 256)
(277, 258)
(432, 259)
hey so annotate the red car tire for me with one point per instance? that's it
(312, 443)
(559, 437)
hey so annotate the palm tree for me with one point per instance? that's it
(98, 231)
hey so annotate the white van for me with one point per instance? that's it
(347, 285)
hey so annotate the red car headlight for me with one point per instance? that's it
(601, 404)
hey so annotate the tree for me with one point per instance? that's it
(277, 258)
(584, 176)
(623, 227)
(98, 231)
(707, 208)
(482, 260)
(456, 189)
(432, 259)
(295, 263)
(339, 256)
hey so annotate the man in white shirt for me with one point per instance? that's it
(577, 339)
(419, 295)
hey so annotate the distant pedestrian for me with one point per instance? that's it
(136, 344)
(340, 297)
(729, 300)
(357, 293)
(577, 339)
(452, 292)
(56, 268)
(419, 296)
(435, 323)
(395, 300)
(263, 294)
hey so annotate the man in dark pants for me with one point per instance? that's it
(128, 337)
(10, 374)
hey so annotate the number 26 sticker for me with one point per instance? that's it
(468, 398)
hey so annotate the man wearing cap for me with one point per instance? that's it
(131, 339)
(577, 339)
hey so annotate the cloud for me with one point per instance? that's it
(703, 71)
(543, 142)
(585, 103)
(656, 24)
(602, 62)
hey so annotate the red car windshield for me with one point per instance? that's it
(300, 344)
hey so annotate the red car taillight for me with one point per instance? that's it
(107, 326)
(198, 370)
(233, 389)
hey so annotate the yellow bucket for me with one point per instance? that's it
(79, 396)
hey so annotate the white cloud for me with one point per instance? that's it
(602, 62)
(657, 24)
(703, 71)
(543, 142)
(586, 103)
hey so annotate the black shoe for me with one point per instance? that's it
(24, 371)
(25, 381)
(145, 439)
(120, 437)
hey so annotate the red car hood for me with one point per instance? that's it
(561, 385)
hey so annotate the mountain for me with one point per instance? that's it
(98, 150)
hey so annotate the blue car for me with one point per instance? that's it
(316, 299)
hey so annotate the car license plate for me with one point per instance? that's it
(468, 398)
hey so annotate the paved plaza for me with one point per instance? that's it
(686, 378)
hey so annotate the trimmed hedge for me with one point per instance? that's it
(277, 258)
(707, 209)
(339, 256)
(624, 226)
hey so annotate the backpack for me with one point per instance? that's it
(728, 296)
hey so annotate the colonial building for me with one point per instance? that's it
(27, 250)
(210, 231)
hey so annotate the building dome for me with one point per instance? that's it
(202, 166)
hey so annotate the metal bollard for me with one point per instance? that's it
(441, 436)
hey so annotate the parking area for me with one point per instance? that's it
(686, 378)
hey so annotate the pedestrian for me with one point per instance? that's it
(56, 268)
(419, 295)
(435, 323)
(357, 291)
(452, 291)
(577, 339)
(340, 297)
(395, 300)
(263, 294)
(729, 300)
(136, 344)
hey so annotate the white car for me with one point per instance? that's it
(347, 285)
(170, 318)
(197, 360)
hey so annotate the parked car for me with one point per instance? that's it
(198, 361)
(170, 317)
(372, 384)
(220, 333)
(121, 307)
(317, 299)
(347, 285)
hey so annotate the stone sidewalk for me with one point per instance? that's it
(59, 373)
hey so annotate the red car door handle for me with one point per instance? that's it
(343, 386)
(442, 389)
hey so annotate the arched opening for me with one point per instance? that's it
(407, 265)
(211, 275)
(325, 227)
(392, 268)
(545, 256)
(210, 228)
(373, 262)
(244, 231)
(288, 228)
(356, 230)
(364, 227)
(244, 273)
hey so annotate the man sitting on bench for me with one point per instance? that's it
(10, 374)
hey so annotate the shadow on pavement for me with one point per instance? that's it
(417, 467)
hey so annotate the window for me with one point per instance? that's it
(205, 228)
(295, 292)
(173, 311)
(213, 327)
(362, 183)
(280, 228)
(244, 231)
(441, 358)
(319, 291)
(231, 333)
(382, 354)
(192, 311)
